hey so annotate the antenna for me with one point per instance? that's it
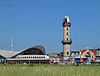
(11, 45)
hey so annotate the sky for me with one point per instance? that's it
(39, 22)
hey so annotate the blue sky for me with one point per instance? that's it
(39, 22)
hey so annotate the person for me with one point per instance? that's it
(76, 64)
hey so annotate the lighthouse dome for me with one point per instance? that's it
(67, 18)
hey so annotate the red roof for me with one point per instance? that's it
(94, 51)
(83, 51)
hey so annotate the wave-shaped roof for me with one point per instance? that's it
(8, 54)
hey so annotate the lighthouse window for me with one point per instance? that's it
(67, 53)
(67, 38)
(67, 28)
(67, 33)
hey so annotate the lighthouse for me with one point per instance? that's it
(66, 38)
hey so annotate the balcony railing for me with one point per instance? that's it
(67, 41)
(66, 24)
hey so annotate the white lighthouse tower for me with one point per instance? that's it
(66, 38)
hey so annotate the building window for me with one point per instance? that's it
(98, 53)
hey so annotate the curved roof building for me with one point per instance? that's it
(35, 54)
(36, 50)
